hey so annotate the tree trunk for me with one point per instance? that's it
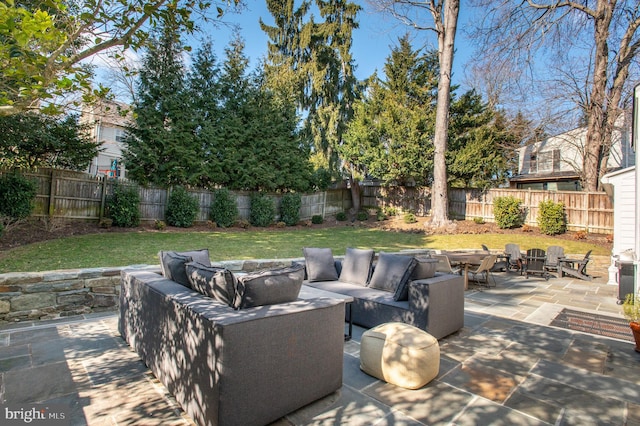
(446, 38)
(354, 186)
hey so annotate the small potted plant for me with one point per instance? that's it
(631, 311)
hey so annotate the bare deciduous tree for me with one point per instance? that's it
(584, 51)
(443, 21)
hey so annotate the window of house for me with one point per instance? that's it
(545, 161)
(120, 135)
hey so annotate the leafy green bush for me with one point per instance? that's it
(316, 219)
(390, 211)
(409, 217)
(290, 208)
(551, 218)
(341, 216)
(508, 212)
(224, 209)
(1, 229)
(478, 220)
(362, 216)
(262, 210)
(380, 215)
(182, 208)
(17, 194)
(123, 206)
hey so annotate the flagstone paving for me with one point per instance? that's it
(506, 366)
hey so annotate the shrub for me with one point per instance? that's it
(316, 219)
(390, 211)
(123, 206)
(290, 209)
(362, 216)
(243, 223)
(16, 197)
(341, 216)
(409, 217)
(551, 218)
(1, 229)
(380, 215)
(160, 225)
(478, 220)
(182, 208)
(224, 209)
(262, 210)
(508, 212)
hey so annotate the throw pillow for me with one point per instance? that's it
(269, 287)
(172, 263)
(356, 266)
(320, 264)
(392, 274)
(173, 268)
(217, 283)
(425, 268)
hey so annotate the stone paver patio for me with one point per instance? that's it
(506, 366)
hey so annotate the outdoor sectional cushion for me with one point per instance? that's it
(320, 264)
(425, 268)
(214, 282)
(172, 263)
(392, 274)
(356, 266)
(269, 287)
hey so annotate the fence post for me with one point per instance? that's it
(52, 195)
(103, 197)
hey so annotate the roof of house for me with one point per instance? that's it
(545, 177)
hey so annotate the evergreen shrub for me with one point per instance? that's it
(123, 206)
(17, 194)
(409, 217)
(508, 212)
(290, 208)
(182, 208)
(551, 218)
(341, 216)
(317, 219)
(262, 210)
(224, 209)
(362, 216)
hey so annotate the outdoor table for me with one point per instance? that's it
(308, 292)
(466, 260)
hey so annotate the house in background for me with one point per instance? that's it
(107, 127)
(556, 163)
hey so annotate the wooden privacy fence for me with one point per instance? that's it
(585, 211)
(74, 195)
(63, 194)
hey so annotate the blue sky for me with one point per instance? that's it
(372, 42)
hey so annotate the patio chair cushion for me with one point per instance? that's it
(211, 281)
(356, 267)
(392, 274)
(425, 268)
(173, 263)
(320, 264)
(400, 354)
(268, 287)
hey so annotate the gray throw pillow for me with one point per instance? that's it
(392, 274)
(425, 268)
(356, 266)
(172, 263)
(320, 264)
(217, 283)
(173, 268)
(269, 287)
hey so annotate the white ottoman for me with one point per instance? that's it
(400, 354)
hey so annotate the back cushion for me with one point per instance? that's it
(172, 263)
(425, 268)
(320, 264)
(392, 274)
(217, 283)
(356, 266)
(268, 287)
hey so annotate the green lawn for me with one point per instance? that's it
(121, 249)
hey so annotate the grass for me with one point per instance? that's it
(122, 249)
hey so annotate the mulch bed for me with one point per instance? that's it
(601, 325)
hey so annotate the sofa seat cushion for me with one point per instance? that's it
(359, 292)
(356, 266)
(268, 287)
(320, 264)
(392, 274)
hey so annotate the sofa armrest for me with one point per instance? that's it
(437, 304)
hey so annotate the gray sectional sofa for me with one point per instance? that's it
(398, 287)
(247, 364)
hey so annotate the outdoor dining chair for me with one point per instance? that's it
(484, 271)
(444, 265)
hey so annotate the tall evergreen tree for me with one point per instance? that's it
(160, 145)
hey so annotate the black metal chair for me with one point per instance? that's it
(535, 263)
